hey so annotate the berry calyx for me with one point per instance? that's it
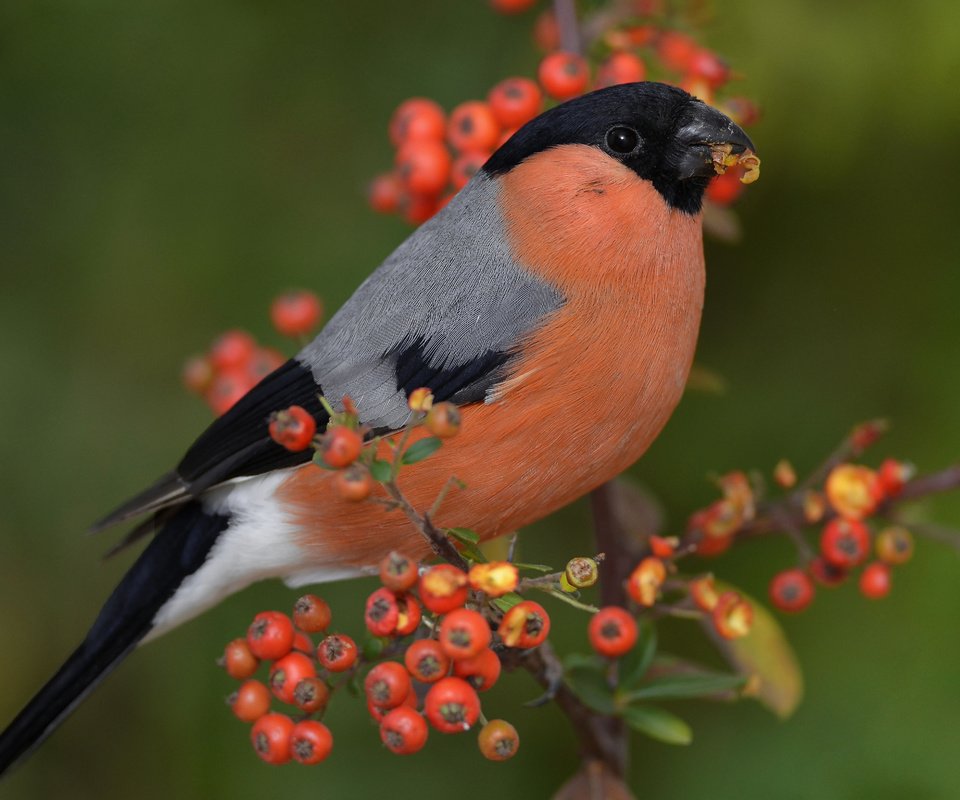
(387, 684)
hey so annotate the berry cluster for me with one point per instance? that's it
(840, 512)
(437, 154)
(236, 362)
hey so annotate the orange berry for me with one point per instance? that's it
(420, 399)
(409, 615)
(724, 189)
(480, 671)
(381, 612)
(443, 420)
(443, 588)
(287, 672)
(296, 313)
(466, 166)
(417, 119)
(563, 75)
(426, 660)
(645, 581)
(387, 684)
(418, 208)
(845, 542)
(473, 127)
(710, 67)
(354, 483)
(271, 737)
(311, 614)
(397, 572)
(340, 446)
(232, 349)
(732, 616)
(515, 101)
(197, 374)
(894, 545)
(893, 475)
(791, 590)
(293, 428)
(403, 731)
(612, 631)
(464, 633)
(265, 360)
(337, 652)
(238, 660)
(452, 705)
(311, 695)
(525, 625)
(310, 741)
(424, 166)
(250, 702)
(270, 635)
(227, 389)
(621, 68)
(676, 50)
(875, 580)
(853, 490)
(498, 740)
(384, 193)
(546, 32)
(495, 578)
(704, 593)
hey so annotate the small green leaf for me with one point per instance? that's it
(534, 567)
(421, 450)
(634, 665)
(574, 661)
(507, 601)
(671, 687)
(473, 554)
(658, 724)
(591, 687)
(373, 647)
(464, 535)
(380, 470)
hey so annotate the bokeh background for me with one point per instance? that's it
(168, 166)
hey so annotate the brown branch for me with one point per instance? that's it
(565, 12)
(439, 541)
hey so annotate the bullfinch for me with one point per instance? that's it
(556, 299)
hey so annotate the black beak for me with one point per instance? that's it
(708, 127)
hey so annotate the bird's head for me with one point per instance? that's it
(663, 134)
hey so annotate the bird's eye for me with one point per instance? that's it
(622, 139)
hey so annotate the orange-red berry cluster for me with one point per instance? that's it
(437, 154)
(236, 362)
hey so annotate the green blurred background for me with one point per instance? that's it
(167, 167)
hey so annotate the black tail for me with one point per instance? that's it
(177, 551)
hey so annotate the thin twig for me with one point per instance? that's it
(566, 13)
(439, 542)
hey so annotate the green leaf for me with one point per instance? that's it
(373, 647)
(658, 724)
(765, 658)
(574, 661)
(318, 460)
(679, 686)
(421, 450)
(591, 687)
(507, 601)
(464, 535)
(471, 553)
(634, 665)
(380, 470)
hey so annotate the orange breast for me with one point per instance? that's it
(593, 385)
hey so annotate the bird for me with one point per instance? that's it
(556, 299)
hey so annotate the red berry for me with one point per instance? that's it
(418, 208)
(512, 6)
(825, 573)
(443, 420)
(311, 695)
(726, 188)
(232, 349)
(403, 731)
(250, 702)
(443, 588)
(525, 625)
(197, 374)
(480, 671)
(791, 590)
(845, 542)
(397, 572)
(893, 475)
(381, 612)
(676, 50)
(409, 615)
(264, 361)
(466, 166)
(311, 614)
(875, 580)
(732, 616)
(498, 740)
(354, 483)
(340, 446)
(270, 635)
(452, 705)
(515, 101)
(293, 428)
(238, 660)
(612, 631)
(271, 738)
(387, 684)
(296, 313)
(710, 67)
(426, 660)
(473, 127)
(424, 166)
(546, 32)
(311, 741)
(337, 652)
(287, 672)
(643, 584)
(377, 713)
(621, 68)
(563, 75)
(384, 193)
(227, 389)
(417, 119)
(302, 643)
(464, 633)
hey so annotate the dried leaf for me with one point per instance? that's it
(594, 781)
